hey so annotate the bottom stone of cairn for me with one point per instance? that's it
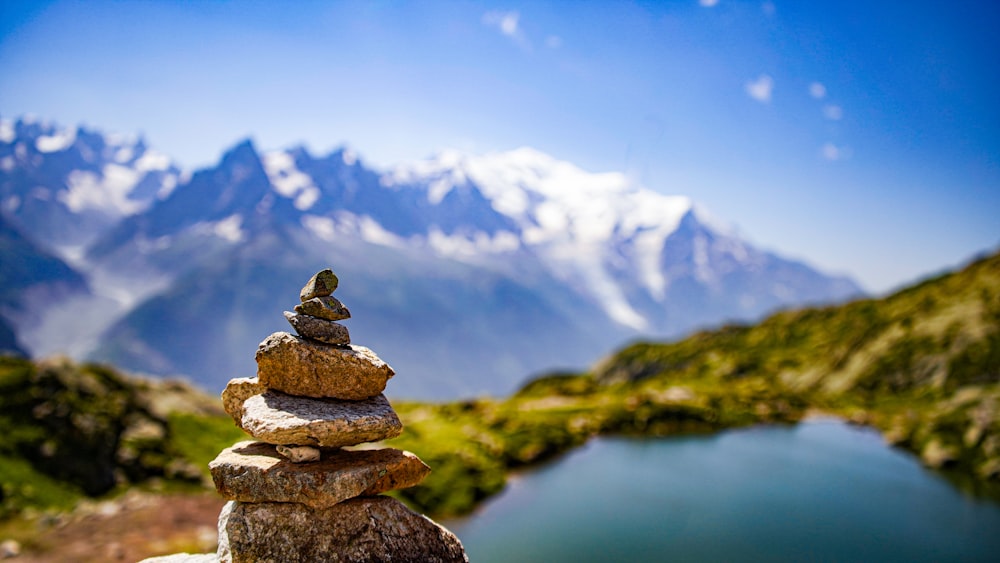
(364, 529)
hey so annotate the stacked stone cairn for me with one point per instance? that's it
(297, 493)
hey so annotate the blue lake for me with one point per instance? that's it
(819, 491)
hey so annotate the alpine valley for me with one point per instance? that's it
(467, 273)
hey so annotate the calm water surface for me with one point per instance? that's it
(819, 491)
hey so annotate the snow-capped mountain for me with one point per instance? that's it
(466, 273)
(65, 186)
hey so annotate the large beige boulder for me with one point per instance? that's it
(299, 366)
(367, 529)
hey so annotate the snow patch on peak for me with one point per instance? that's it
(589, 275)
(345, 223)
(167, 186)
(108, 193)
(124, 154)
(438, 189)
(229, 228)
(306, 198)
(7, 134)
(460, 246)
(57, 141)
(443, 163)
(289, 181)
(119, 181)
(371, 231)
(577, 221)
(535, 171)
(544, 195)
(441, 173)
(120, 139)
(323, 228)
(152, 160)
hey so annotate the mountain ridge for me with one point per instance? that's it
(591, 259)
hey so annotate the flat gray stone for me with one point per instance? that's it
(360, 530)
(328, 307)
(277, 418)
(299, 366)
(255, 472)
(323, 283)
(319, 329)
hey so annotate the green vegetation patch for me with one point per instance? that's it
(922, 365)
(74, 430)
(24, 487)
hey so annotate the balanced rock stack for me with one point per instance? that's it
(295, 494)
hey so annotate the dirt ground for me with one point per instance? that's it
(128, 529)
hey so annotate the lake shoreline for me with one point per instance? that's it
(823, 488)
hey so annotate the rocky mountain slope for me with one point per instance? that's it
(471, 272)
(65, 186)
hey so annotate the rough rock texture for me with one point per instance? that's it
(319, 329)
(238, 390)
(302, 367)
(324, 283)
(277, 418)
(184, 558)
(254, 472)
(329, 308)
(299, 454)
(373, 529)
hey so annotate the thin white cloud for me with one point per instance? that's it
(817, 90)
(834, 153)
(833, 112)
(761, 88)
(708, 3)
(508, 24)
(553, 42)
(768, 8)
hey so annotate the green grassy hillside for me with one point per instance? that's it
(71, 431)
(922, 365)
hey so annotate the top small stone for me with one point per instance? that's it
(322, 284)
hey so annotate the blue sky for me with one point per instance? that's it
(862, 136)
